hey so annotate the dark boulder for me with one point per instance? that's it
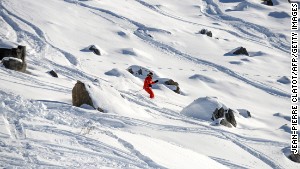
(53, 73)
(209, 33)
(130, 70)
(14, 64)
(295, 157)
(249, 114)
(14, 59)
(94, 49)
(230, 117)
(225, 123)
(268, 2)
(173, 83)
(80, 95)
(218, 113)
(203, 31)
(241, 51)
(140, 72)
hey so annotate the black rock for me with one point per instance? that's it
(230, 117)
(295, 157)
(140, 72)
(130, 70)
(95, 50)
(241, 51)
(218, 113)
(225, 123)
(268, 2)
(53, 73)
(209, 33)
(203, 31)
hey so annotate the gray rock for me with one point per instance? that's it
(225, 123)
(80, 95)
(130, 70)
(295, 157)
(209, 33)
(172, 82)
(268, 2)
(14, 64)
(140, 72)
(218, 113)
(95, 50)
(230, 117)
(249, 114)
(241, 51)
(53, 73)
(203, 31)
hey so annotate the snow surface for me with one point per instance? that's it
(39, 127)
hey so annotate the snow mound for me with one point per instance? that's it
(203, 108)
(136, 53)
(202, 78)
(7, 44)
(284, 80)
(107, 98)
(245, 5)
(117, 72)
(93, 48)
(279, 15)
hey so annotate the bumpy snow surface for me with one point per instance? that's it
(39, 127)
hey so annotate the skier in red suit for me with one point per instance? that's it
(148, 84)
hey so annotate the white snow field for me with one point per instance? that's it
(39, 127)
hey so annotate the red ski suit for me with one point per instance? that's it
(148, 81)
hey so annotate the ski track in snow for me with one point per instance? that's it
(141, 32)
(39, 37)
(243, 28)
(101, 151)
(135, 158)
(42, 43)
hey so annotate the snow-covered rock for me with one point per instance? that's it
(203, 108)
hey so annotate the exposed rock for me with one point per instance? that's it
(205, 31)
(95, 49)
(268, 2)
(14, 64)
(80, 95)
(218, 113)
(230, 117)
(284, 80)
(249, 114)
(209, 33)
(172, 82)
(140, 72)
(130, 70)
(241, 51)
(225, 123)
(295, 157)
(14, 58)
(53, 73)
(99, 109)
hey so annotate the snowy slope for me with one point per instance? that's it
(39, 127)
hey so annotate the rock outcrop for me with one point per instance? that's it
(241, 51)
(80, 95)
(14, 58)
(53, 73)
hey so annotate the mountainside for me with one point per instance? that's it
(40, 127)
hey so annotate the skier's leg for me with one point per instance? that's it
(149, 90)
